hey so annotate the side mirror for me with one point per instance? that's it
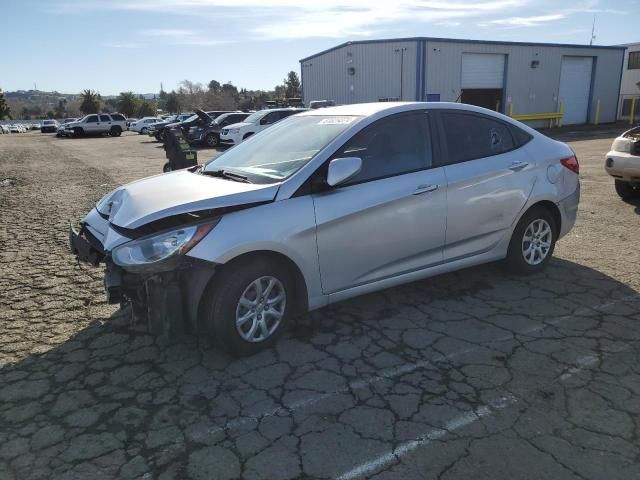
(343, 169)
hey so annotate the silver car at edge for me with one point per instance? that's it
(326, 205)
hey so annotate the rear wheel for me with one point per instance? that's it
(532, 242)
(626, 190)
(144, 131)
(248, 306)
(115, 131)
(211, 140)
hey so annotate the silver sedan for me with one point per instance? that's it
(326, 205)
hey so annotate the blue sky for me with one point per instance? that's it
(117, 45)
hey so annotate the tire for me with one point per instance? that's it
(540, 249)
(78, 132)
(144, 131)
(166, 167)
(247, 136)
(211, 140)
(222, 307)
(115, 131)
(626, 191)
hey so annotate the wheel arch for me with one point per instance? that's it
(550, 207)
(301, 292)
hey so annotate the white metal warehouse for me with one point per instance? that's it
(524, 78)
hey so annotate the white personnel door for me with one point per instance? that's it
(575, 86)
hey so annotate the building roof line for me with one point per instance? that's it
(461, 40)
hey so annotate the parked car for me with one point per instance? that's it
(199, 118)
(16, 128)
(623, 164)
(254, 123)
(326, 205)
(130, 121)
(209, 134)
(321, 104)
(49, 126)
(97, 124)
(156, 129)
(4, 129)
(142, 126)
(62, 132)
(35, 126)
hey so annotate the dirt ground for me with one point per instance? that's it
(476, 374)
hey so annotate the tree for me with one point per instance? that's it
(145, 109)
(5, 111)
(51, 114)
(90, 102)
(127, 103)
(292, 85)
(172, 104)
(61, 108)
(214, 86)
(26, 113)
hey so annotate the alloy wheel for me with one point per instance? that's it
(536, 242)
(260, 309)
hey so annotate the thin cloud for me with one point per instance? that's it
(121, 45)
(533, 21)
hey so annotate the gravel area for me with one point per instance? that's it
(476, 374)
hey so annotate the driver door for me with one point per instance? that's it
(390, 219)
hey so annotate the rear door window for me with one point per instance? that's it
(471, 136)
(105, 118)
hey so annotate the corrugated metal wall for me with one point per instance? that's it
(377, 73)
(531, 90)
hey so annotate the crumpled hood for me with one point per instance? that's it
(165, 195)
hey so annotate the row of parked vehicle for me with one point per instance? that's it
(18, 127)
(213, 128)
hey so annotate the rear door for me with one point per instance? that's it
(104, 123)
(390, 219)
(488, 179)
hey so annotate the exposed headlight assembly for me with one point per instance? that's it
(159, 252)
(233, 131)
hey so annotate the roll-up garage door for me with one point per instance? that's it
(575, 86)
(482, 70)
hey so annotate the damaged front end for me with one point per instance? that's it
(151, 274)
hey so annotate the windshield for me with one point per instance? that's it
(281, 150)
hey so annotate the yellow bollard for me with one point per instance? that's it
(632, 113)
(561, 112)
(510, 109)
(597, 119)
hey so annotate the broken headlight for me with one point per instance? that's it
(145, 254)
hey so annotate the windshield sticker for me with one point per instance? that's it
(336, 121)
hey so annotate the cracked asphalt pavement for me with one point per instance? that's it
(476, 374)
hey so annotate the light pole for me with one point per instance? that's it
(401, 50)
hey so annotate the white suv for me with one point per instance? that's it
(254, 123)
(98, 123)
(142, 125)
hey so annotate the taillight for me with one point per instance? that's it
(572, 164)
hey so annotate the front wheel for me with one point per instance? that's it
(248, 306)
(626, 191)
(533, 241)
(211, 140)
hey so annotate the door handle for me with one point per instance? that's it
(425, 189)
(515, 166)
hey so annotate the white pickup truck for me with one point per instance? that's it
(97, 124)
